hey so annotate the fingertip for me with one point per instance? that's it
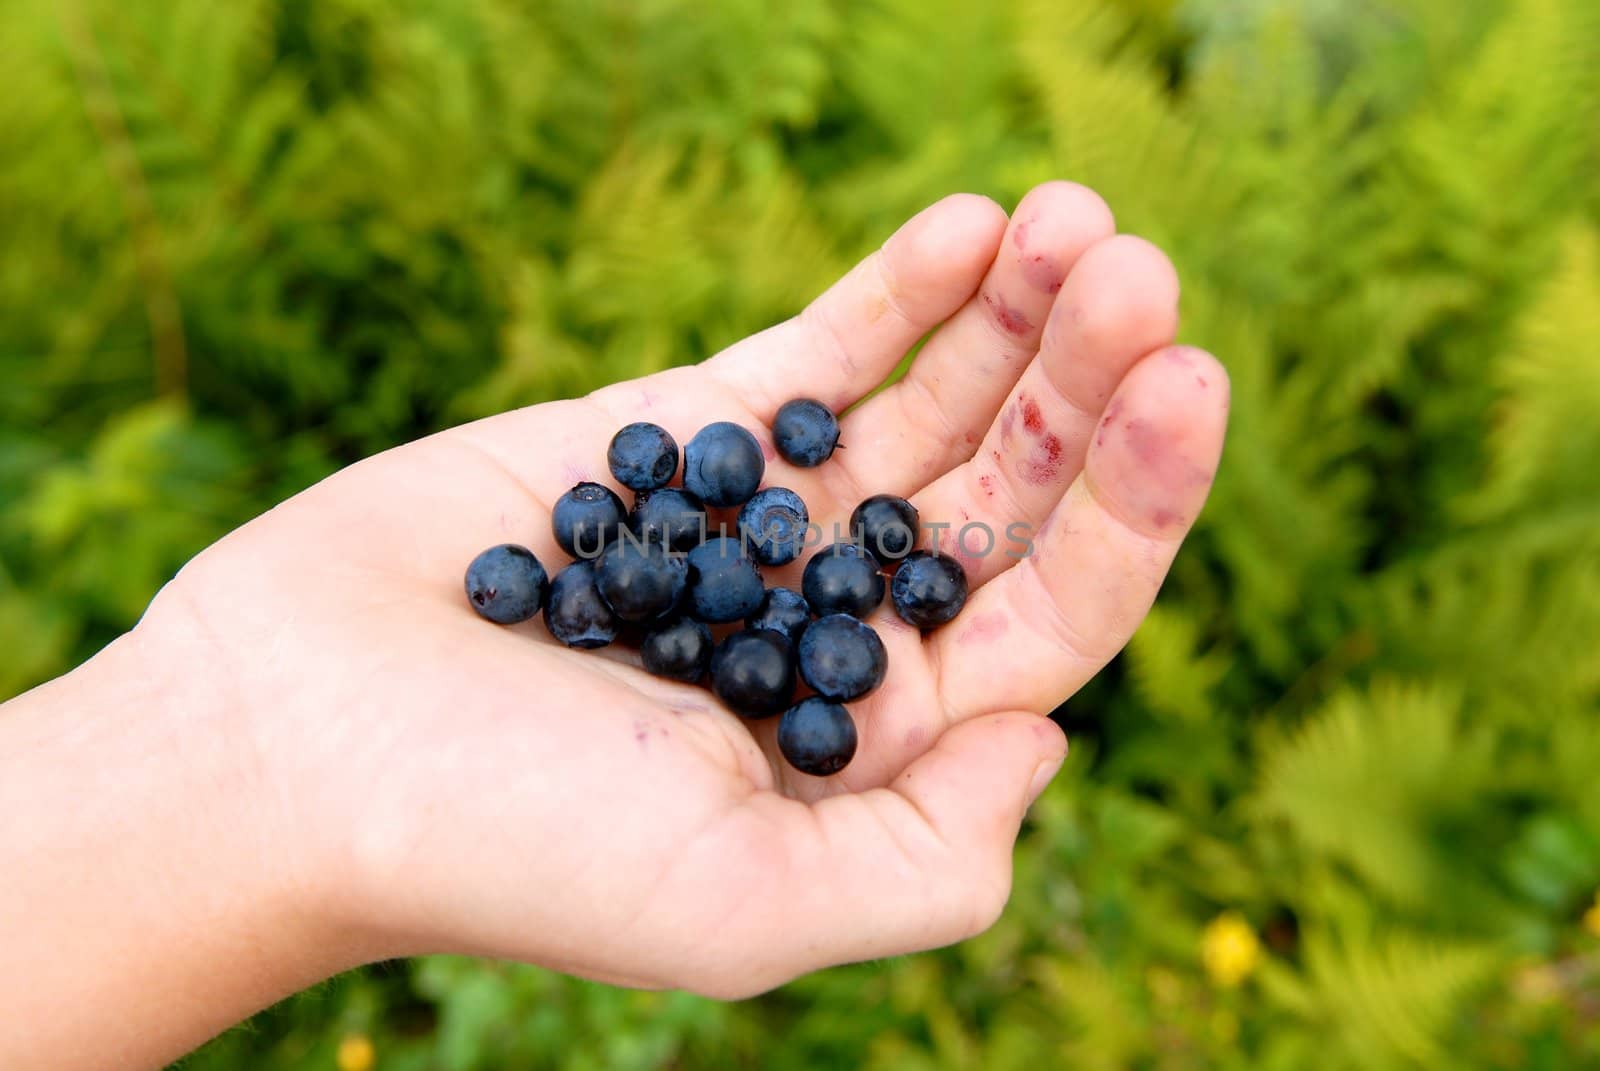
(973, 779)
(1075, 199)
(955, 238)
(1053, 224)
(978, 206)
(1121, 284)
(1080, 217)
(956, 213)
(1209, 373)
(1156, 448)
(1184, 384)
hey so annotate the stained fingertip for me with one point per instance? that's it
(1156, 448)
(1053, 224)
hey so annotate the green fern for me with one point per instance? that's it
(1395, 1000)
(1370, 781)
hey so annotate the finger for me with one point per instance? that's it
(920, 864)
(1119, 303)
(849, 339)
(933, 418)
(842, 346)
(1037, 632)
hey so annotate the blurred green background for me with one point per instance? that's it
(1338, 806)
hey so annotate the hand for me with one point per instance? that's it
(437, 783)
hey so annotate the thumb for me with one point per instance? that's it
(976, 783)
(919, 864)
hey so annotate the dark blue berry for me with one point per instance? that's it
(640, 581)
(805, 432)
(784, 611)
(506, 584)
(724, 584)
(753, 674)
(576, 614)
(680, 650)
(586, 519)
(817, 736)
(929, 589)
(723, 464)
(885, 525)
(668, 515)
(643, 457)
(841, 657)
(843, 579)
(773, 524)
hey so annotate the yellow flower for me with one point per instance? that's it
(1229, 949)
(1591, 917)
(356, 1053)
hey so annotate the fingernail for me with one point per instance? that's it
(1041, 778)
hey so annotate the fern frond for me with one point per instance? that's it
(1371, 779)
(1392, 1000)
(1547, 440)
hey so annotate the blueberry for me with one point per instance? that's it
(841, 657)
(679, 650)
(929, 589)
(506, 584)
(805, 432)
(843, 579)
(576, 614)
(784, 611)
(885, 525)
(773, 525)
(723, 464)
(817, 736)
(668, 515)
(724, 584)
(586, 519)
(753, 674)
(640, 581)
(643, 457)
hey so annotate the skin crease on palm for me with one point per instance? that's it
(441, 784)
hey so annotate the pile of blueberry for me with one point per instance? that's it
(656, 574)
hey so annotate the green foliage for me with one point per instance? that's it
(250, 242)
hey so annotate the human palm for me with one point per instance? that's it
(456, 786)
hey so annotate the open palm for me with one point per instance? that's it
(470, 788)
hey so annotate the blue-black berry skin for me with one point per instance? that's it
(817, 736)
(643, 457)
(773, 524)
(843, 579)
(929, 589)
(753, 674)
(805, 432)
(885, 525)
(723, 464)
(640, 581)
(575, 613)
(679, 650)
(586, 519)
(784, 611)
(724, 584)
(669, 515)
(842, 658)
(506, 584)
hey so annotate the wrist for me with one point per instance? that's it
(153, 876)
